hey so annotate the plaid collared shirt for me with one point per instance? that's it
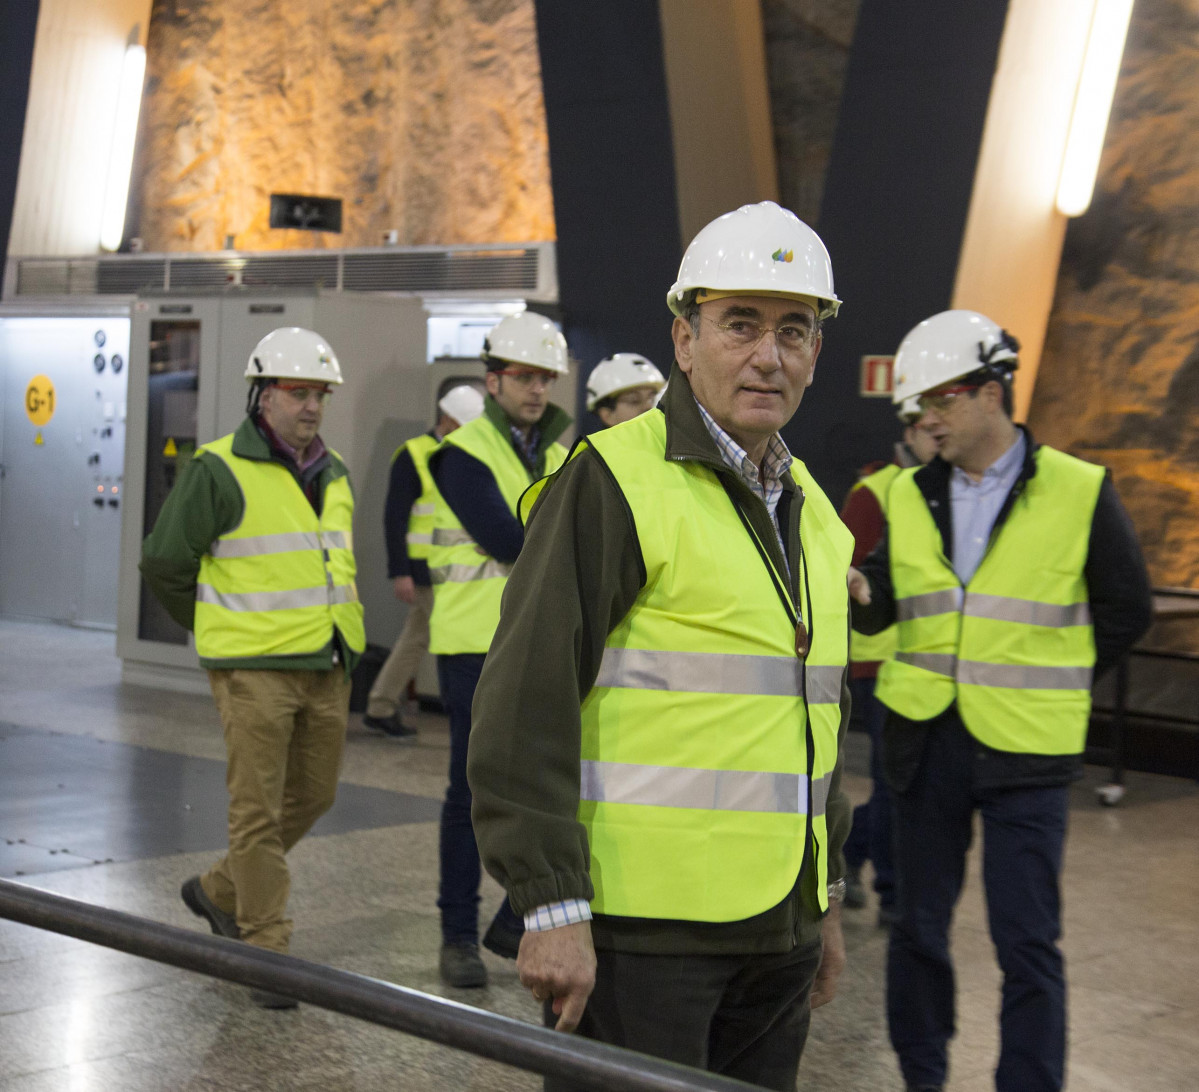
(769, 483)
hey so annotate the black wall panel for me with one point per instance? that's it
(894, 208)
(18, 18)
(612, 170)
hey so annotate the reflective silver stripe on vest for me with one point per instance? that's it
(712, 790)
(464, 574)
(423, 509)
(294, 599)
(928, 604)
(419, 538)
(258, 545)
(940, 663)
(716, 673)
(1023, 677)
(452, 536)
(824, 684)
(1027, 611)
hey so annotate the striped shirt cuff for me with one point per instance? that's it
(555, 914)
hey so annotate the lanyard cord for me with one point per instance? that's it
(779, 588)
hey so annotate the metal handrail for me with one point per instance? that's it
(592, 1065)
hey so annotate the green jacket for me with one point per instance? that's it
(205, 503)
(577, 577)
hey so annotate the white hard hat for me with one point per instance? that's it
(910, 411)
(948, 346)
(757, 250)
(621, 372)
(291, 352)
(528, 338)
(463, 403)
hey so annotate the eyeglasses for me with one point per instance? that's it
(747, 333)
(528, 380)
(942, 400)
(300, 393)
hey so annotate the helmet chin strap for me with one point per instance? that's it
(257, 386)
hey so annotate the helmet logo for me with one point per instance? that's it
(782, 255)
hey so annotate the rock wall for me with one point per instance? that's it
(807, 51)
(1119, 379)
(425, 116)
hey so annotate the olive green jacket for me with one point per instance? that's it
(577, 576)
(205, 503)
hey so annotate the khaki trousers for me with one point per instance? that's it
(404, 662)
(284, 736)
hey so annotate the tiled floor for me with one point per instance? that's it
(78, 1018)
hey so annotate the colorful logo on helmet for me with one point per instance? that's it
(782, 255)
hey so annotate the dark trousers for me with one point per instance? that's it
(870, 836)
(740, 1016)
(1024, 830)
(458, 889)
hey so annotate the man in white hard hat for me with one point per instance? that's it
(865, 514)
(655, 757)
(252, 551)
(623, 386)
(480, 471)
(408, 530)
(1015, 577)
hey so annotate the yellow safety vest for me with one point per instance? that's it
(1014, 648)
(704, 775)
(467, 585)
(420, 518)
(880, 646)
(283, 578)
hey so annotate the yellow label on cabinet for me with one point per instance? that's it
(39, 399)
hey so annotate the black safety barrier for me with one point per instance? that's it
(591, 1065)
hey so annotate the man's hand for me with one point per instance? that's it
(559, 963)
(859, 587)
(832, 963)
(405, 589)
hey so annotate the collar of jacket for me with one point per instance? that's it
(249, 443)
(552, 424)
(687, 437)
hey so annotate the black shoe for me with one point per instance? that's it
(264, 999)
(389, 726)
(461, 966)
(855, 893)
(502, 939)
(195, 899)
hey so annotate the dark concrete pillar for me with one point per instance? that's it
(894, 208)
(19, 20)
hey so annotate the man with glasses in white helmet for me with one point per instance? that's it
(480, 471)
(252, 550)
(408, 531)
(1015, 577)
(655, 758)
(622, 386)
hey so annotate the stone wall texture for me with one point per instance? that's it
(1119, 379)
(807, 51)
(425, 116)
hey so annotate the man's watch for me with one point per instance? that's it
(836, 891)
